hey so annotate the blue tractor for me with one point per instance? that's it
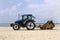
(26, 21)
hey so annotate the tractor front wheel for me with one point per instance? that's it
(16, 27)
(30, 25)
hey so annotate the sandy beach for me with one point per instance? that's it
(7, 33)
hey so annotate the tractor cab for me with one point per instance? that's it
(27, 17)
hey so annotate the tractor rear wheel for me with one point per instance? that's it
(30, 25)
(16, 27)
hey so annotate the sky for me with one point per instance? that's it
(43, 10)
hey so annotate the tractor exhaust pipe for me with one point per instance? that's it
(18, 16)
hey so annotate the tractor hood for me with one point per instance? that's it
(18, 21)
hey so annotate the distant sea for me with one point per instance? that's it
(5, 24)
(8, 24)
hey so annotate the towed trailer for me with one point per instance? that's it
(28, 22)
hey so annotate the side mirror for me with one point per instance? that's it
(33, 17)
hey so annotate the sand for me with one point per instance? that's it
(7, 33)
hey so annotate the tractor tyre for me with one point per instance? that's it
(30, 25)
(16, 27)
